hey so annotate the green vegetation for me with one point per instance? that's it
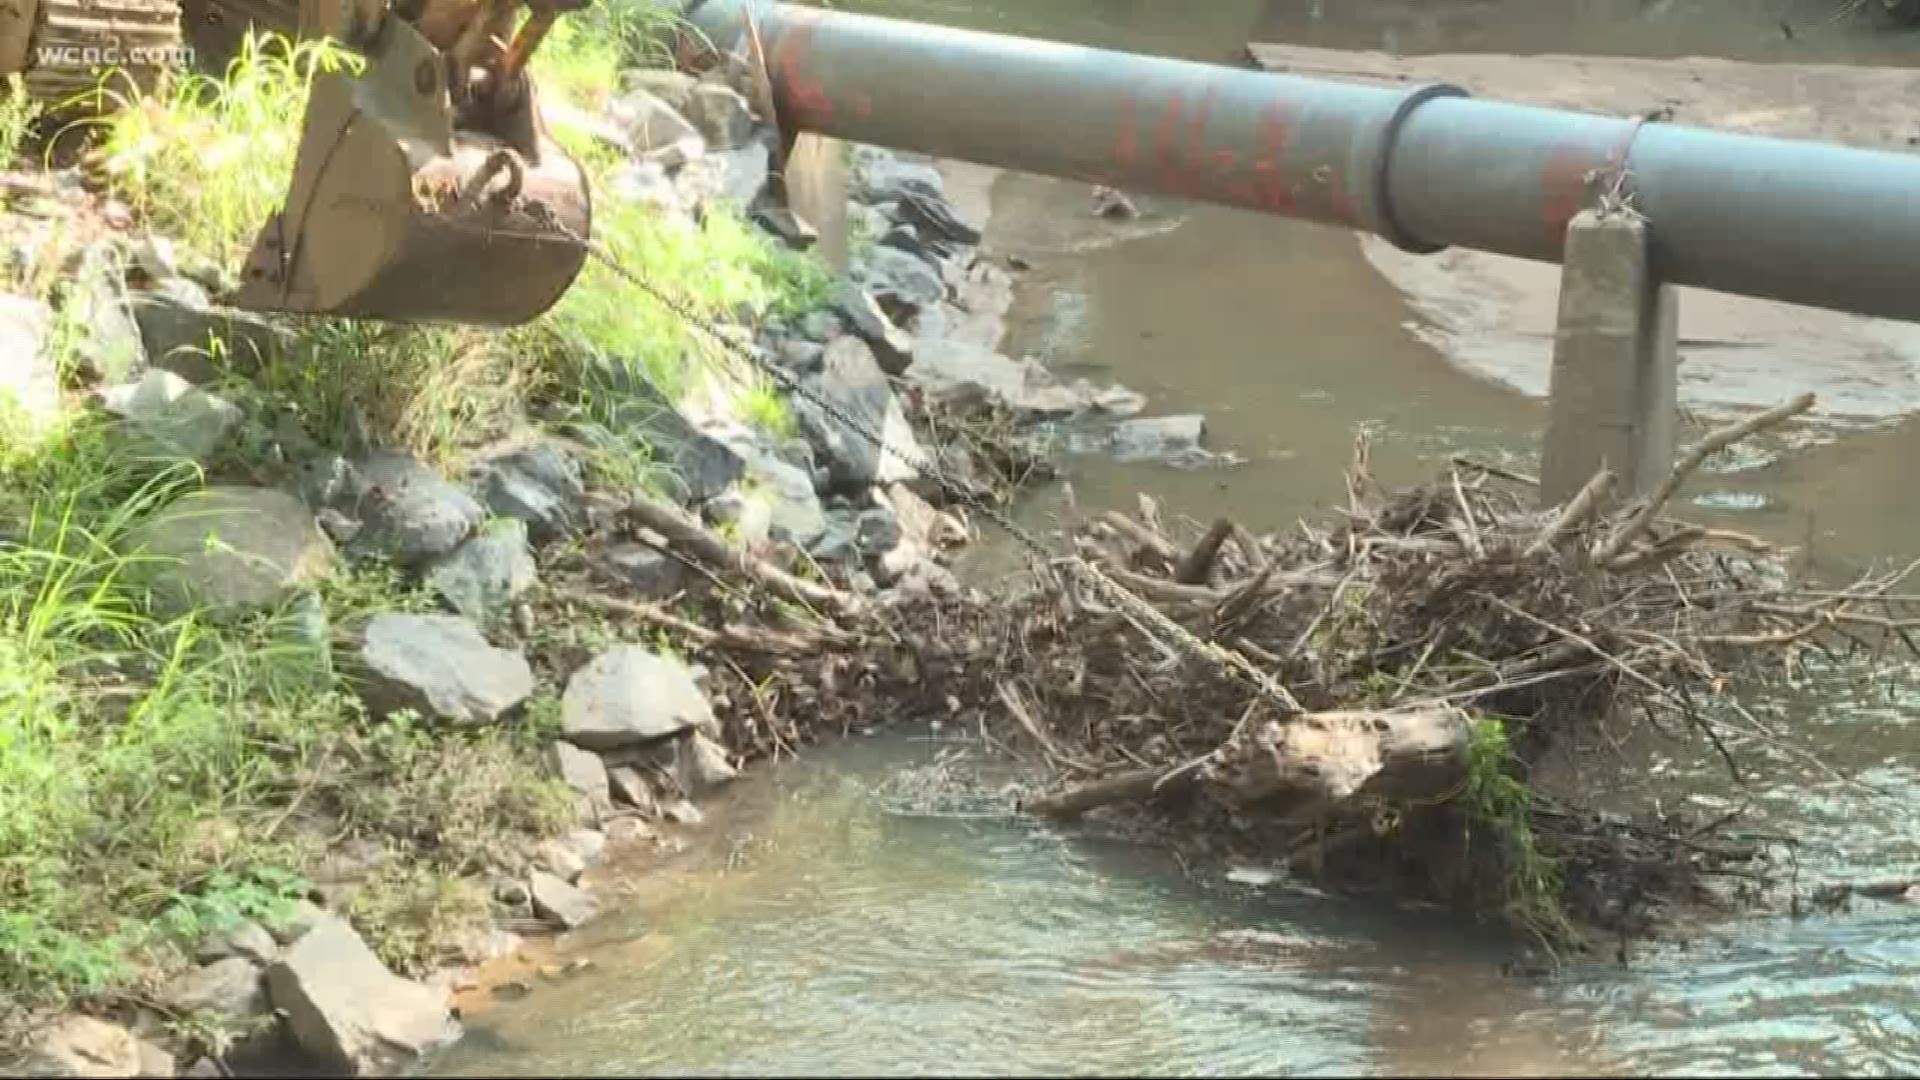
(164, 777)
(1500, 801)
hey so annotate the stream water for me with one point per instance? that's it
(819, 929)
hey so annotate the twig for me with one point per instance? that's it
(1714, 442)
(682, 529)
(1193, 569)
(1578, 509)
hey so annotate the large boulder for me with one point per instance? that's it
(892, 347)
(108, 346)
(409, 514)
(343, 1006)
(29, 381)
(881, 176)
(487, 572)
(439, 666)
(850, 380)
(186, 333)
(629, 696)
(229, 548)
(694, 465)
(567, 906)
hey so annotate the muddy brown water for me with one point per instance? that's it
(824, 929)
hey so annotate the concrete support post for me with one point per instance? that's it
(1612, 399)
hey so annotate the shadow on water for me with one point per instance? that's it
(830, 936)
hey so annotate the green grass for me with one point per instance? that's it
(18, 113)
(1500, 801)
(160, 778)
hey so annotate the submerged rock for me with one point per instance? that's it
(228, 548)
(440, 666)
(629, 696)
(344, 1007)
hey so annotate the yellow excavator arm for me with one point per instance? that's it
(426, 187)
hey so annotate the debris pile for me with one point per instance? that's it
(1422, 655)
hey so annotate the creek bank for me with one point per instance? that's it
(533, 568)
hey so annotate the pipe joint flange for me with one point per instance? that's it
(1390, 227)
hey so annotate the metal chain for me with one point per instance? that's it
(1149, 616)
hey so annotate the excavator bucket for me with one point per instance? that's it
(395, 213)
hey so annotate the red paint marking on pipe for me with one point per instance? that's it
(1164, 133)
(1563, 189)
(1192, 166)
(806, 97)
(1276, 123)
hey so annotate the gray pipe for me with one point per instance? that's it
(1427, 168)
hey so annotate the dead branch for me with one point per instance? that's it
(682, 529)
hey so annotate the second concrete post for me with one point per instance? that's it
(1613, 392)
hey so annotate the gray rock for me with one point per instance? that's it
(411, 513)
(743, 173)
(1159, 438)
(852, 382)
(559, 860)
(840, 541)
(488, 572)
(339, 528)
(790, 228)
(109, 348)
(1113, 204)
(632, 789)
(682, 812)
(892, 347)
(344, 1007)
(589, 844)
(877, 531)
(84, 1046)
(560, 903)
(903, 283)
(541, 485)
(721, 115)
(294, 924)
(171, 416)
(821, 326)
(229, 990)
(648, 570)
(695, 465)
(935, 219)
(228, 548)
(441, 667)
(249, 941)
(800, 356)
(323, 479)
(629, 696)
(702, 765)
(186, 333)
(881, 176)
(792, 510)
(29, 379)
(746, 516)
(649, 122)
(581, 770)
(673, 87)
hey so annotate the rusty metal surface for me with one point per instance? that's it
(374, 225)
(1426, 167)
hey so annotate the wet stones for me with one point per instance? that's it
(343, 1006)
(560, 903)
